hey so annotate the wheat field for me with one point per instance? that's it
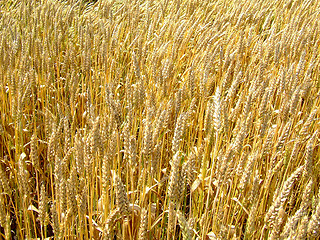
(159, 119)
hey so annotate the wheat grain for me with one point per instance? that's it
(203, 110)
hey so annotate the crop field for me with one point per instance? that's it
(159, 119)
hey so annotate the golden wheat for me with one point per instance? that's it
(149, 119)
